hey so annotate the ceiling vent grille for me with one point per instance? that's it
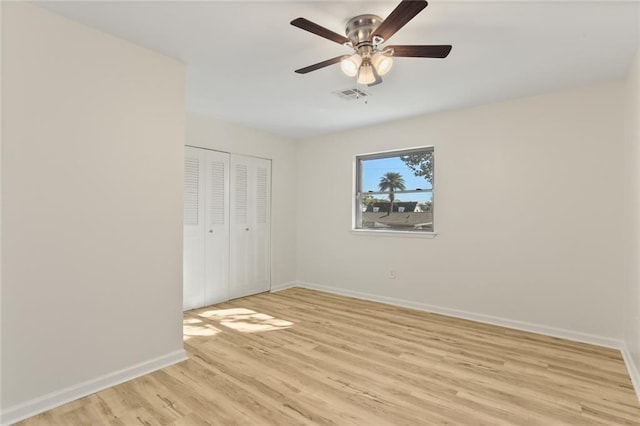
(351, 94)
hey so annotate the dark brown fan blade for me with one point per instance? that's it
(435, 51)
(402, 14)
(320, 65)
(316, 29)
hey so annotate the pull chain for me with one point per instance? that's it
(358, 91)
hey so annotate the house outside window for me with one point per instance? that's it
(394, 191)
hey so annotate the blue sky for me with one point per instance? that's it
(372, 171)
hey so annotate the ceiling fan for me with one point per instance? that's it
(365, 35)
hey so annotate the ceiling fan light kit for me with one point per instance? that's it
(351, 64)
(382, 61)
(365, 74)
(365, 35)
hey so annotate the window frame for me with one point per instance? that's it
(358, 194)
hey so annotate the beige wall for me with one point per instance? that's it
(206, 132)
(93, 135)
(528, 207)
(632, 329)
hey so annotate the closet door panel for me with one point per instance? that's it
(261, 252)
(216, 263)
(194, 229)
(241, 244)
(250, 229)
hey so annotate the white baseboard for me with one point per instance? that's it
(284, 286)
(55, 399)
(488, 319)
(632, 368)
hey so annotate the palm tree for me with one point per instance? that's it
(391, 181)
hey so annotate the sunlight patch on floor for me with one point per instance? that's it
(245, 320)
(193, 327)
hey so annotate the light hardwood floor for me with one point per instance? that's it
(304, 357)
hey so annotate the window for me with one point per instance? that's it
(394, 191)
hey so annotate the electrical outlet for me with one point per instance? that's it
(392, 274)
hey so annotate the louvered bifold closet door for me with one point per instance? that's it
(216, 287)
(250, 226)
(240, 282)
(194, 228)
(262, 226)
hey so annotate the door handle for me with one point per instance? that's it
(246, 229)
(211, 231)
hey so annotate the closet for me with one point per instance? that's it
(227, 217)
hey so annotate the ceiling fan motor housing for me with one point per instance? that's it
(360, 30)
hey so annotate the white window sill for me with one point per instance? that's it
(401, 234)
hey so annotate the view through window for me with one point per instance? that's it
(394, 191)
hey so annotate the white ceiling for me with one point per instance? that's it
(241, 55)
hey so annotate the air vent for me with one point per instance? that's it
(351, 94)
